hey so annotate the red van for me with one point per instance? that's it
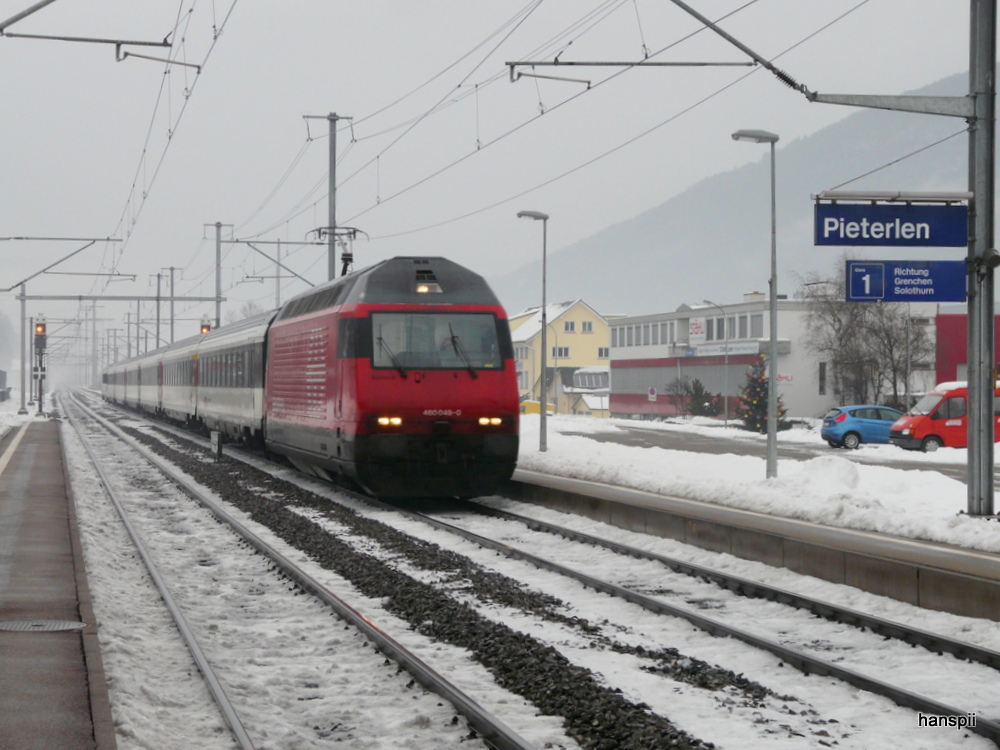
(939, 419)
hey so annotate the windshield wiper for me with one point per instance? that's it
(385, 347)
(456, 344)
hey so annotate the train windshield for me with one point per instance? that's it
(420, 340)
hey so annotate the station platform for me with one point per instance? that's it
(53, 692)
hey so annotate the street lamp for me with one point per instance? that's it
(763, 136)
(543, 406)
(725, 352)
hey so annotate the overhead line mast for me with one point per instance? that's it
(977, 108)
(331, 231)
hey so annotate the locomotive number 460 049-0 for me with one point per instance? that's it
(442, 412)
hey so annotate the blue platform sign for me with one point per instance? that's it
(892, 225)
(906, 281)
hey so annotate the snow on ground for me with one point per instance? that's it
(851, 492)
(830, 489)
(838, 488)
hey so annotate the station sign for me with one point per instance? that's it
(906, 281)
(892, 224)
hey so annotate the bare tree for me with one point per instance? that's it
(679, 389)
(247, 310)
(868, 345)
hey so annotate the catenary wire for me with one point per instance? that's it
(563, 103)
(525, 11)
(499, 138)
(636, 138)
(608, 152)
(902, 158)
(173, 130)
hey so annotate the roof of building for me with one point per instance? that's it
(531, 318)
(596, 403)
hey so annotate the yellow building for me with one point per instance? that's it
(578, 340)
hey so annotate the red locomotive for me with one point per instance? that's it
(400, 376)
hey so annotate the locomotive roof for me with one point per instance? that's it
(397, 280)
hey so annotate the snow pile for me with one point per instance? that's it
(835, 489)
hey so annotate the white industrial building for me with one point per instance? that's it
(717, 344)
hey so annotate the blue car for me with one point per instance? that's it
(850, 426)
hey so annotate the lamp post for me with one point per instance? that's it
(543, 406)
(725, 352)
(763, 136)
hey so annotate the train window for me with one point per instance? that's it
(354, 338)
(318, 300)
(403, 340)
(326, 298)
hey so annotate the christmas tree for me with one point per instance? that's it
(753, 399)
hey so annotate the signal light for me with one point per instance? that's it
(40, 337)
(206, 325)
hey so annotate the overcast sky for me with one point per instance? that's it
(442, 150)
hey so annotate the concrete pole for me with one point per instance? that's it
(982, 142)
(543, 405)
(31, 350)
(772, 366)
(159, 279)
(543, 435)
(94, 356)
(331, 237)
(277, 278)
(24, 355)
(172, 269)
(218, 274)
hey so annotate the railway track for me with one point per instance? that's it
(655, 662)
(192, 564)
(668, 597)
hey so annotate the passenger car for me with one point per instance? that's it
(849, 426)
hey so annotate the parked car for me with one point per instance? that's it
(939, 420)
(850, 426)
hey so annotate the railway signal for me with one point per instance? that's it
(40, 337)
(206, 324)
(40, 342)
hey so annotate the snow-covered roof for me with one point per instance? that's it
(532, 316)
(596, 403)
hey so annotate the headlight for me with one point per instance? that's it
(390, 421)
(490, 421)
